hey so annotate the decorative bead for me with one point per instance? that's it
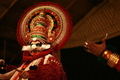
(51, 39)
(54, 61)
(106, 54)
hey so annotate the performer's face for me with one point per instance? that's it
(36, 47)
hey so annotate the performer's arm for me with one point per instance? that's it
(99, 50)
(7, 75)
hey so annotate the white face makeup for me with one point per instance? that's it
(35, 47)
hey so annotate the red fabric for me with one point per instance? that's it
(51, 71)
(28, 58)
(118, 66)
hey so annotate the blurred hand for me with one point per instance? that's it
(23, 74)
(94, 48)
(2, 62)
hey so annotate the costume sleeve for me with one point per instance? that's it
(113, 59)
(9, 71)
(118, 66)
(51, 71)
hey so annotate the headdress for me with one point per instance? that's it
(48, 22)
(38, 28)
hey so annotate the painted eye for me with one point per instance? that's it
(38, 44)
(31, 44)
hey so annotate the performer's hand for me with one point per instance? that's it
(23, 74)
(94, 48)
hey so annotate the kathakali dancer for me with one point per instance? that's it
(42, 30)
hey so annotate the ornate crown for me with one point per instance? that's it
(47, 22)
(38, 30)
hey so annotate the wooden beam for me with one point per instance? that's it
(5, 11)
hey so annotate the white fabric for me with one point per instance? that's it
(29, 48)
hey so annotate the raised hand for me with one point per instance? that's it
(94, 48)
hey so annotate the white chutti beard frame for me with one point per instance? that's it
(30, 48)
